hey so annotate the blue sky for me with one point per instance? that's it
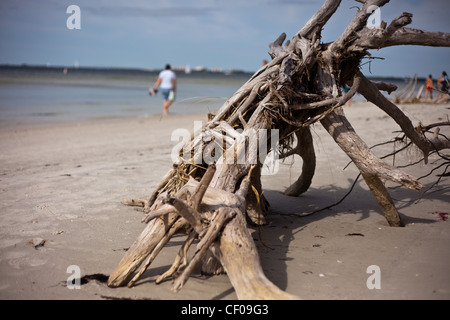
(213, 33)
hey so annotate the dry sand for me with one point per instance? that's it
(64, 183)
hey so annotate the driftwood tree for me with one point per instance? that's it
(212, 202)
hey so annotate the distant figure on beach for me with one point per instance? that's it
(442, 85)
(445, 83)
(429, 87)
(167, 83)
(264, 62)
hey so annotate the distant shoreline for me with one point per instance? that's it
(42, 94)
(4, 68)
(150, 72)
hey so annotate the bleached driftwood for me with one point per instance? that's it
(214, 202)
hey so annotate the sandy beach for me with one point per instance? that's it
(62, 186)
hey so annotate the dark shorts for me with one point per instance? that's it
(165, 93)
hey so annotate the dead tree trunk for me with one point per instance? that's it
(210, 200)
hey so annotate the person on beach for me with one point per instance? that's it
(445, 82)
(442, 85)
(167, 83)
(429, 87)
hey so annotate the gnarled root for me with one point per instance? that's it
(222, 230)
(305, 149)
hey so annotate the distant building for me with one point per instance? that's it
(199, 68)
(178, 68)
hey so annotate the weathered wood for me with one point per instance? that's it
(299, 87)
(181, 260)
(371, 168)
(187, 212)
(161, 211)
(411, 91)
(256, 204)
(384, 200)
(202, 187)
(370, 39)
(239, 256)
(305, 149)
(401, 92)
(355, 25)
(222, 216)
(345, 136)
(370, 92)
(376, 37)
(419, 94)
(179, 224)
(158, 188)
(313, 28)
(276, 47)
(383, 86)
(140, 249)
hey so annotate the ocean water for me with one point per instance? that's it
(48, 94)
(41, 94)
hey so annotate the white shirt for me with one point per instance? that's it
(166, 79)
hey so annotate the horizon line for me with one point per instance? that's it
(143, 69)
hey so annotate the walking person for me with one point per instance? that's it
(167, 83)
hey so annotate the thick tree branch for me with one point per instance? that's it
(379, 38)
(314, 26)
(372, 94)
(239, 256)
(409, 36)
(383, 86)
(141, 248)
(357, 23)
(305, 149)
(345, 136)
(222, 216)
